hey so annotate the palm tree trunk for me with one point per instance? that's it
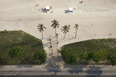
(42, 34)
(64, 36)
(55, 31)
(76, 34)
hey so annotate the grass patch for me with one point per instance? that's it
(88, 50)
(26, 42)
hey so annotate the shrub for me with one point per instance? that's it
(70, 57)
(40, 56)
(112, 59)
(84, 56)
(3, 61)
(15, 52)
(99, 55)
(90, 55)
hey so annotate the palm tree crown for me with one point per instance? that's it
(41, 28)
(65, 29)
(55, 24)
(76, 26)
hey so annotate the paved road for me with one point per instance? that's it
(77, 70)
(59, 76)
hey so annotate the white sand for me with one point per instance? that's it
(96, 18)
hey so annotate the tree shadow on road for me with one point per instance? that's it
(95, 70)
(90, 71)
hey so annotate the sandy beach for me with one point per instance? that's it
(96, 18)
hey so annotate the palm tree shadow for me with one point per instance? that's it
(91, 71)
(46, 44)
(76, 69)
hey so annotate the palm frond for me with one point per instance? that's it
(41, 27)
(76, 26)
(55, 24)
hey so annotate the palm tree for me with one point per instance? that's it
(41, 28)
(65, 29)
(55, 24)
(57, 36)
(76, 28)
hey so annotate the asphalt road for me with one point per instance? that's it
(58, 76)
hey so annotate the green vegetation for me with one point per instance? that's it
(18, 47)
(84, 56)
(99, 55)
(94, 51)
(55, 24)
(69, 56)
(15, 52)
(40, 56)
(112, 59)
